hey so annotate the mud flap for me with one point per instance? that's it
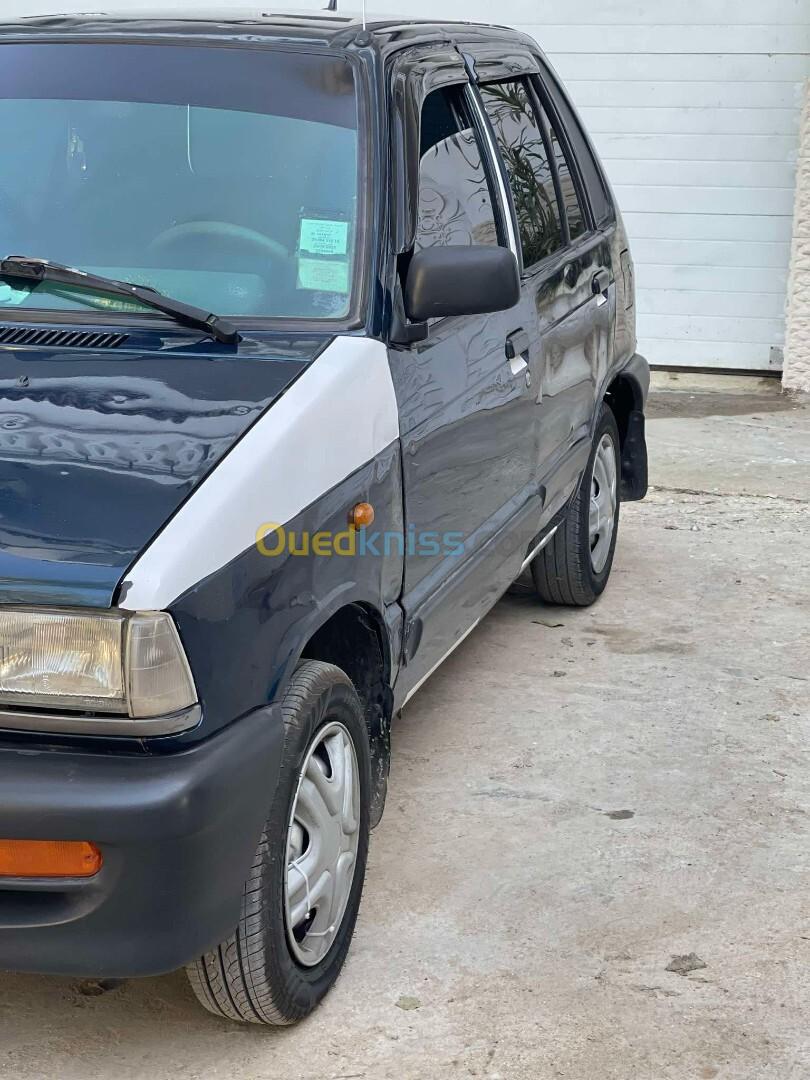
(634, 459)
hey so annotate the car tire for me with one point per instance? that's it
(270, 971)
(574, 566)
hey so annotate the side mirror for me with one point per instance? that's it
(473, 280)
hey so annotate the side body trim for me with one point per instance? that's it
(440, 661)
(338, 415)
(538, 548)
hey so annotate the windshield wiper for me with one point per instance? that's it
(20, 267)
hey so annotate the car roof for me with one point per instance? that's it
(234, 20)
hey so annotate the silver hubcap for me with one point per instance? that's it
(602, 517)
(322, 840)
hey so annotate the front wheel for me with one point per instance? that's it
(574, 566)
(301, 899)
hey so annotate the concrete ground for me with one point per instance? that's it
(577, 798)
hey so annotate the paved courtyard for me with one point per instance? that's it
(595, 861)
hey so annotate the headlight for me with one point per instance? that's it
(101, 662)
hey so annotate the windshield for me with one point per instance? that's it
(224, 177)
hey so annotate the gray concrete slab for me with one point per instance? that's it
(576, 798)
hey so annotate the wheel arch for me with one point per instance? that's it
(355, 638)
(624, 396)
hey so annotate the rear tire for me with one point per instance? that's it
(574, 566)
(269, 971)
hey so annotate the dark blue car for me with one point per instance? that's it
(314, 338)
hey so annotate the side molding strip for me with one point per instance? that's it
(439, 662)
(339, 414)
(538, 548)
(469, 630)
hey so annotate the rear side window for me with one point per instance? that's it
(455, 201)
(523, 148)
(591, 173)
(568, 189)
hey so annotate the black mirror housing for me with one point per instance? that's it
(473, 280)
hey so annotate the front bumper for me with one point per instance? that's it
(177, 832)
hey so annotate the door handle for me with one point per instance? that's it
(517, 344)
(517, 351)
(600, 283)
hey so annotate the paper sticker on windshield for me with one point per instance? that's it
(321, 236)
(10, 295)
(324, 275)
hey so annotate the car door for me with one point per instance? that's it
(565, 278)
(467, 408)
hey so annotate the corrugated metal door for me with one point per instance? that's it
(694, 108)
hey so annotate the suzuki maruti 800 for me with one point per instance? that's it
(314, 338)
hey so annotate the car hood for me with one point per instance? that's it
(99, 449)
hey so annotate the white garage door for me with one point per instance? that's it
(694, 107)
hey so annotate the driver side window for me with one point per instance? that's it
(455, 200)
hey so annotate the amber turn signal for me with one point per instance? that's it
(49, 858)
(361, 515)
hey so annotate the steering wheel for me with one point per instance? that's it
(219, 230)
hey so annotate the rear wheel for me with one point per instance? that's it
(301, 899)
(574, 566)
